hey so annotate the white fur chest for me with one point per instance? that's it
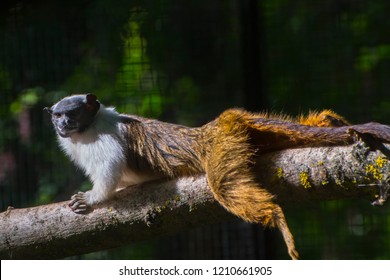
(97, 154)
(100, 151)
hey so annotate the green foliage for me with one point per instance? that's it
(136, 78)
(369, 58)
(5, 78)
(46, 192)
(27, 98)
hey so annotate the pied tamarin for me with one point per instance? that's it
(118, 150)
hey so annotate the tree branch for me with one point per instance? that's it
(164, 207)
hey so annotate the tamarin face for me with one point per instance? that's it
(73, 114)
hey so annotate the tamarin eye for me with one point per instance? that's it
(57, 115)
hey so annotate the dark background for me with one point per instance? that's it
(185, 62)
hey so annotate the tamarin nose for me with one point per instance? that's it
(69, 122)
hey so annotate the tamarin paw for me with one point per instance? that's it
(78, 203)
(293, 254)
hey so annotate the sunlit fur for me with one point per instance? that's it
(326, 118)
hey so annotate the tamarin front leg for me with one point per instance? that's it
(103, 188)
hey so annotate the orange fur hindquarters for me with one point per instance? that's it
(236, 137)
(229, 171)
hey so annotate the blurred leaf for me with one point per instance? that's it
(5, 78)
(29, 97)
(136, 78)
(46, 192)
(151, 105)
(370, 57)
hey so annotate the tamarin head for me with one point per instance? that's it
(74, 114)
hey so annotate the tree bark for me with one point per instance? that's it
(163, 207)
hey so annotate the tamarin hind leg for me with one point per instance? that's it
(248, 200)
(229, 170)
(256, 206)
(281, 223)
(325, 118)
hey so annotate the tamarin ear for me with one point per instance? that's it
(92, 104)
(49, 110)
